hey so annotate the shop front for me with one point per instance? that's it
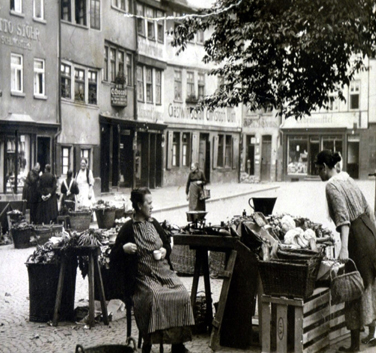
(303, 140)
(23, 143)
(131, 153)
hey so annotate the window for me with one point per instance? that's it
(150, 23)
(38, 9)
(16, 5)
(123, 5)
(175, 149)
(160, 27)
(80, 12)
(177, 85)
(201, 85)
(120, 63)
(105, 69)
(95, 14)
(220, 151)
(140, 84)
(16, 73)
(66, 159)
(66, 10)
(149, 85)
(185, 149)
(65, 72)
(297, 155)
(92, 77)
(112, 64)
(200, 36)
(140, 21)
(190, 85)
(228, 151)
(128, 73)
(158, 87)
(333, 102)
(354, 95)
(79, 85)
(39, 77)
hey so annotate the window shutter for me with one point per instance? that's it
(169, 149)
(215, 151)
(59, 158)
(235, 152)
(195, 147)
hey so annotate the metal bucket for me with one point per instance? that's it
(262, 204)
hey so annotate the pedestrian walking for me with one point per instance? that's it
(47, 210)
(69, 190)
(85, 182)
(30, 192)
(141, 253)
(355, 222)
(194, 189)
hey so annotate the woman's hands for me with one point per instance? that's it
(130, 248)
(343, 254)
(199, 182)
(187, 197)
(163, 252)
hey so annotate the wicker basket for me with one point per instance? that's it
(290, 278)
(105, 218)
(80, 220)
(42, 234)
(21, 238)
(183, 259)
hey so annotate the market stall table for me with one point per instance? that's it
(94, 277)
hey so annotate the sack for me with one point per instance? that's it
(205, 194)
(346, 287)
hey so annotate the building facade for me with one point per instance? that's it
(29, 90)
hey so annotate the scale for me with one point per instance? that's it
(196, 219)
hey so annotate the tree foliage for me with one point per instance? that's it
(289, 54)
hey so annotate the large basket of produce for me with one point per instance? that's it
(42, 234)
(21, 234)
(105, 214)
(80, 219)
(290, 278)
(43, 268)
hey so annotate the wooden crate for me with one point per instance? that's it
(315, 323)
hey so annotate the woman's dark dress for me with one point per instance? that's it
(194, 190)
(30, 193)
(69, 185)
(47, 210)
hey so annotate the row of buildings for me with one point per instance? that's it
(82, 78)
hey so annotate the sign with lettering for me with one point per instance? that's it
(17, 35)
(119, 97)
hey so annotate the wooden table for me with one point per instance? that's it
(237, 298)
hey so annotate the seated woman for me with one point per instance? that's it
(162, 306)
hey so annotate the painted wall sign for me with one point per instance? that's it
(262, 122)
(119, 97)
(18, 35)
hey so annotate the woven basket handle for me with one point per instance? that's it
(131, 339)
(348, 260)
(80, 349)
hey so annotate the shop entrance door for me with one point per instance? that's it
(314, 149)
(266, 154)
(105, 158)
(204, 155)
(43, 151)
(126, 159)
(250, 158)
(353, 156)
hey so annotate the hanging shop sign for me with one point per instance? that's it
(119, 97)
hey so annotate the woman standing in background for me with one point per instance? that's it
(85, 181)
(193, 190)
(30, 192)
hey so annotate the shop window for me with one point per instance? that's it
(149, 85)
(140, 84)
(228, 151)
(39, 77)
(16, 5)
(16, 73)
(158, 87)
(95, 14)
(38, 9)
(175, 149)
(140, 21)
(160, 27)
(333, 143)
(123, 5)
(201, 85)
(297, 155)
(79, 85)
(177, 86)
(190, 85)
(92, 78)
(354, 95)
(66, 160)
(186, 139)
(65, 72)
(220, 151)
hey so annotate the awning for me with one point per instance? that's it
(137, 125)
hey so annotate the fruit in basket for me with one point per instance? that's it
(287, 223)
